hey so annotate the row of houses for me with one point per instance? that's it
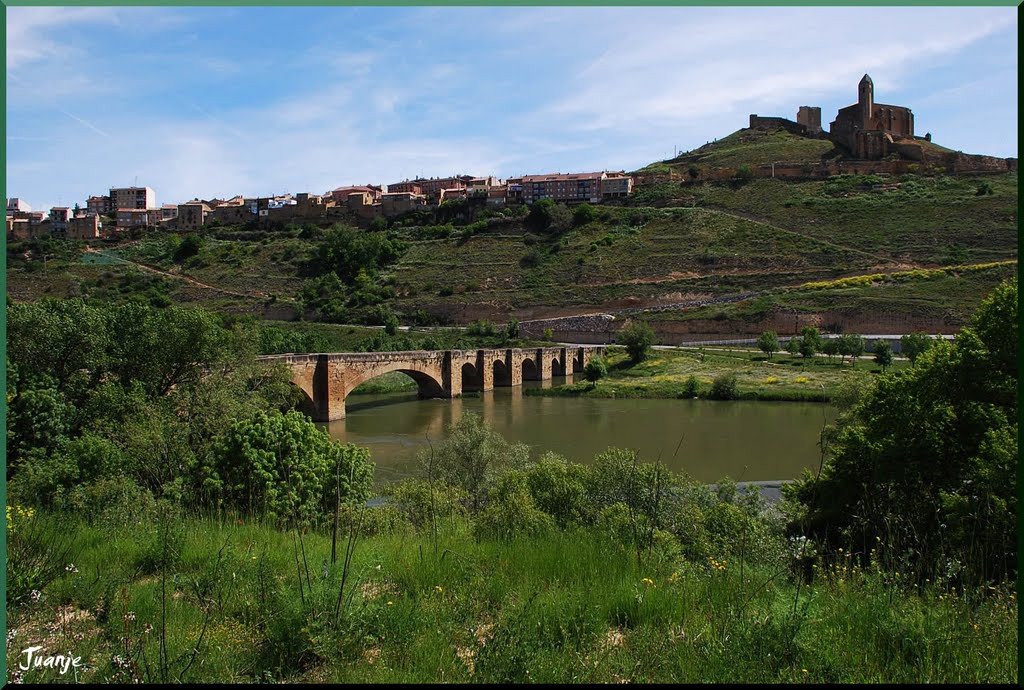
(127, 209)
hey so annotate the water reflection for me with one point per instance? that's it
(745, 440)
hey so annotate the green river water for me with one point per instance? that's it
(745, 440)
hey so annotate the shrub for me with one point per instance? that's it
(724, 387)
(531, 259)
(637, 338)
(595, 370)
(925, 465)
(421, 500)
(189, 247)
(284, 467)
(690, 387)
(471, 456)
(483, 327)
(559, 488)
(744, 172)
(511, 510)
(583, 214)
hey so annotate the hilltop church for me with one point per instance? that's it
(868, 130)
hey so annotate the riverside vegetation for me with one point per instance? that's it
(171, 520)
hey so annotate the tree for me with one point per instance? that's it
(883, 354)
(391, 324)
(693, 171)
(512, 328)
(793, 346)
(810, 341)
(925, 467)
(595, 370)
(744, 173)
(830, 347)
(472, 456)
(583, 214)
(637, 338)
(851, 344)
(189, 247)
(768, 342)
(547, 217)
(915, 344)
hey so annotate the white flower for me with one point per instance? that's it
(70, 568)
(36, 595)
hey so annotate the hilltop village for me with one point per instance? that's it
(130, 209)
(868, 137)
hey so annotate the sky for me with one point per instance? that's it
(214, 101)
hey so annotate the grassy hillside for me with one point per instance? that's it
(747, 147)
(672, 243)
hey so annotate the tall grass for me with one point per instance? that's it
(572, 605)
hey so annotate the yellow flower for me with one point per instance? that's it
(438, 588)
(804, 670)
(391, 603)
(647, 581)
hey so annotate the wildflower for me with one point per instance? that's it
(148, 629)
(36, 595)
(254, 558)
(391, 603)
(241, 522)
(130, 616)
(70, 568)
(674, 576)
(10, 635)
(804, 670)
(648, 581)
(438, 588)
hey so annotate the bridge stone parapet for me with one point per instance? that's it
(326, 379)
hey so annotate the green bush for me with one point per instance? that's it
(637, 338)
(421, 501)
(284, 467)
(471, 456)
(511, 510)
(559, 488)
(724, 387)
(595, 370)
(691, 387)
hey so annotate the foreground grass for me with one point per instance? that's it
(236, 602)
(686, 373)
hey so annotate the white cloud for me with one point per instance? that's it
(667, 69)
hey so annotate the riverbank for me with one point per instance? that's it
(721, 374)
(208, 600)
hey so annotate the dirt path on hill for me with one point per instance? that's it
(177, 276)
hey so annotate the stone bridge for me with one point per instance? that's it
(327, 379)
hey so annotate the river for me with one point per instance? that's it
(745, 440)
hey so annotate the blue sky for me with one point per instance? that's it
(221, 101)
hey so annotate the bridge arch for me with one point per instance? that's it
(427, 383)
(472, 377)
(502, 373)
(531, 372)
(556, 367)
